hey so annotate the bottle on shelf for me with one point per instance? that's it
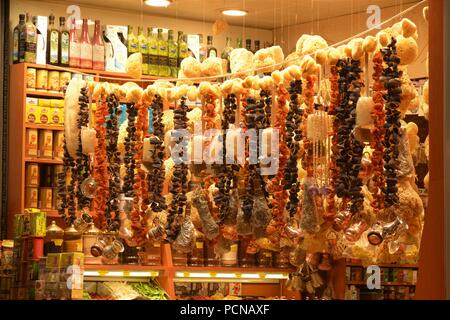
(173, 55)
(212, 51)
(74, 46)
(239, 43)
(257, 45)
(98, 49)
(85, 47)
(203, 52)
(183, 50)
(19, 40)
(64, 37)
(122, 38)
(30, 40)
(226, 56)
(132, 42)
(248, 45)
(163, 55)
(52, 41)
(143, 49)
(152, 52)
(109, 56)
(196, 258)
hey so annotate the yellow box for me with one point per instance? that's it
(58, 145)
(31, 197)
(59, 103)
(55, 116)
(46, 144)
(38, 223)
(31, 143)
(32, 101)
(44, 115)
(45, 102)
(31, 113)
(46, 198)
(53, 260)
(72, 259)
(21, 223)
(32, 175)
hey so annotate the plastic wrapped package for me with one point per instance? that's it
(209, 226)
(261, 215)
(297, 256)
(234, 204)
(185, 240)
(309, 219)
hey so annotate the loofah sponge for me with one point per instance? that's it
(407, 50)
(71, 110)
(364, 110)
(88, 140)
(133, 66)
(212, 66)
(191, 67)
(241, 61)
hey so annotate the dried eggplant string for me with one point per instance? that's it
(66, 194)
(391, 76)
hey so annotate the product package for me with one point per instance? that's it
(46, 144)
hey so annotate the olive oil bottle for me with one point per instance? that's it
(163, 55)
(132, 42)
(183, 50)
(19, 41)
(143, 49)
(52, 41)
(212, 51)
(173, 55)
(63, 43)
(152, 53)
(30, 40)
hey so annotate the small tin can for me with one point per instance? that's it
(31, 79)
(64, 79)
(53, 81)
(41, 79)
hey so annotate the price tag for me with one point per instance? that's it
(58, 242)
(234, 248)
(157, 244)
(199, 245)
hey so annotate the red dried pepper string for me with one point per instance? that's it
(100, 170)
(378, 133)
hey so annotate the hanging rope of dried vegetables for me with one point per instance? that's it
(308, 158)
(179, 185)
(129, 161)
(392, 83)
(378, 132)
(100, 169)
(292, 140)
(66, 194)
(266, 100)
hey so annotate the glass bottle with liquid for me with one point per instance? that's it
(183, 50)
(85, 47)
(64, 40)
(226, 56)
(196, 257)
(109, 57)
(257, 45)
(246, 260)
(239, 43)
(173, 55)
(163, 55)
(143, 49)
(203, 52)
(30, 40)
(98, 48)
(248, 45)
(74, 46)
(212, 51)
(52, 41)
(152, 52)
(19, 41)
(132, 42)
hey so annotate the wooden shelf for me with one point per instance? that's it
(232, 269)
(44, 161)
(45, 94)
(363, 283)
(121, 267)
(51, 213)
(384, 265)
(43, 127)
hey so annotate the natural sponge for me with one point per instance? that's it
(133, 67)
(241, 61)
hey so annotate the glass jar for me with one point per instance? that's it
(53, 242)
(264, 259)
(281, 259)
(211, 258)
(72, 240)
(197, 257)
(230, 259)
(112, 251)
(130, 255)
(150, 254)
(245, 260)
(82, 223)
(179, 259)
(89, 240)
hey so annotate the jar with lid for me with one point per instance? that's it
(72, 240)
(281, 259)
(130, 255)
(230, 259)
(89, 239)
(53, 242)
(197, 258)
(104, 243)
(178, 258)
(211, 258)
(246, 260)
(150, 254)
(264, 259)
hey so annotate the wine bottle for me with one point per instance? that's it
(19, 40)
(173, 55)
(52, 41)
(85, 47)
(239, 43)
(183, 50)
(132, 42)
(74, 47)
(257, 45)
(226, 56)
(143, 49)
(30, 40)
(109, 55)
(203, 49)
(248, 45)
(98, 48)
(163, 55)
(153, 69)
(212, 51)
(63, 43)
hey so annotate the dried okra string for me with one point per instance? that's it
(66, 194)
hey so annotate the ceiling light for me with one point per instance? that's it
(234, 12)
(158, 3)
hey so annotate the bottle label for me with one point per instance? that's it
(98, 56)
(22, 36)
(86, 55)
(173, 62)
(74, 54)
(163, 60)
(153, 59)
(213, 54)
(53, 47)
(16, 46)
(144, 48)
(133, 48)
(64, 48)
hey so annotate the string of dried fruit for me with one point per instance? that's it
(266, 101)
(392, 83)
(100, 170)
(334, 172)
(307, 161)
(81, 169)
(66, 194)
(129, 160)
(292, 139)
(112, 137)
(156, 175)
(179, 185)
(276, 186)
(378, 132)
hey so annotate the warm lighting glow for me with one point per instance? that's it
(234, 13)
(158, 3)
